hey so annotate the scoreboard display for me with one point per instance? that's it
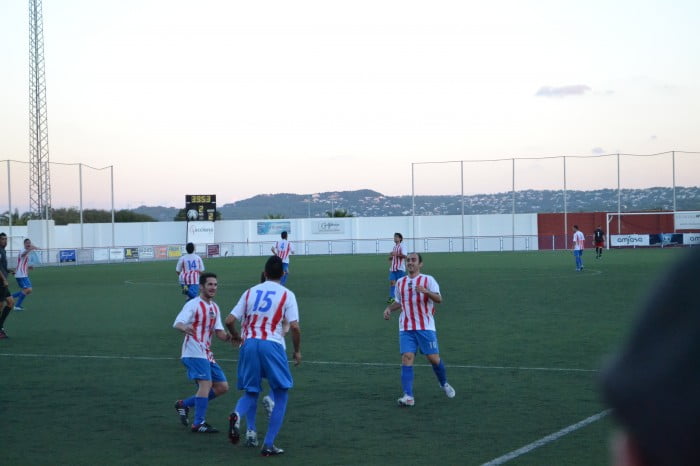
(200, 207)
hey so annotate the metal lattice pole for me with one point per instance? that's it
(39, 180)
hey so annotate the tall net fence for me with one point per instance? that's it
(73, 186)
(602, 183)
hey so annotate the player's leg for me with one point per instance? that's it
(408, 346)
(249, 379)
(7, 302)
(285, 273)
(276, 367)
(429, 346)
(25, 290)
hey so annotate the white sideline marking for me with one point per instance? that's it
(548, 439)
(326, 363)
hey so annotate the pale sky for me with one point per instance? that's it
(238, 98)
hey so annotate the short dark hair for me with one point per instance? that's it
(420, 258)
(576, 227)
(399, 235)
(189, 248)
(284, 235)
(203, 277)
(2, 235)
(273, 268)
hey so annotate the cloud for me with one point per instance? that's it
(562, 91)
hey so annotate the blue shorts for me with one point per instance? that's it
(395, 275)
(203, 369)
(263, 359)
(411, 340)
(192, 291)
(24, 283)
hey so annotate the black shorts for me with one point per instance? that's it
(4, 292)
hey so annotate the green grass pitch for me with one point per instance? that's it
(91, 369)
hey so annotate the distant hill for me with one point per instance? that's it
(368, 203)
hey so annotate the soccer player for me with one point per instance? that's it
(578, 241)
(262, 310)
(199, 320)
(599, 240)
(283, 249)
(22, 274)
(188, 269)
(416, 296)
(397, 267)
(7, 302)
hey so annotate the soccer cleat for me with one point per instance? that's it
(3, 335)
(18, 308)
(271, 451)
(251, 438)
(269, 405)
(185, 289)
(182, 411)
(204, 428)
(391, 300)
(234, 427)
(449, 391)
(406, 400)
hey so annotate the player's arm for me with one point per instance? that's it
(274, 250)
(395, 306)
(230, 323)
(296, 341)
(434, 296)
(185, 328)
(223, 335)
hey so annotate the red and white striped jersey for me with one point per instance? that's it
(417, 309)
(205, 319)
(22, 269)
(578, 240)
(261, 310)
(284, 249)
(398, 262)
(189, 266)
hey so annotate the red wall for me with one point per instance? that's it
(549, 225)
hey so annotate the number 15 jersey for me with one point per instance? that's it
(262, 309)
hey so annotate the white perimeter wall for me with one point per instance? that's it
(359, 235)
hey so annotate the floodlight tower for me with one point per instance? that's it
(39, 180)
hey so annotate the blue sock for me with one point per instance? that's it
(280, 398)
(252, 412)
(17, 295)
(406, 380)
(200, 410)
(21, 299)
(440, 372)
(283, 280)
(212, 395)
(246, 403)
(189, 402)
(392, 291)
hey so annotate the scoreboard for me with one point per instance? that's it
(200, 207)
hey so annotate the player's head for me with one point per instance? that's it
(273, 268)
(284, 235)
(398, 236)
(414, 262)
(3, 239)
(653, 383)
(189, 248)
(575, 227)
(262, 277)
(27, 243)
(208, 285)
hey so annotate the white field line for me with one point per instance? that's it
(548, 439)
(320, 363)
